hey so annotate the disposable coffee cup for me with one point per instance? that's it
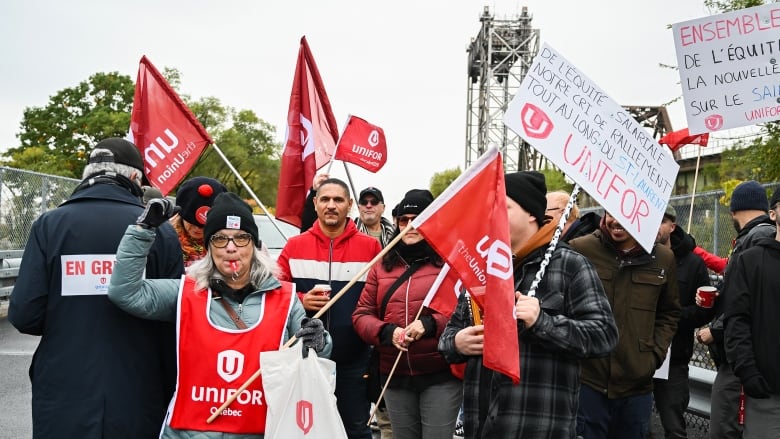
(707, 295)
(324, 289)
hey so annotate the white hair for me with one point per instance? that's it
(110, 166)
(202, 271)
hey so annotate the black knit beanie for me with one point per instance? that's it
(230, 212)
(195, 197)
(415, 201)
(528, 189)
(749, 195)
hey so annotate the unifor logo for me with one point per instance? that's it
(304, 415)
(307, 136)
(498, 256)
(713, 122)
(230, 364)
(373, 138)
(536, 123)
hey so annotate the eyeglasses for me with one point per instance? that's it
(404, 220)
(221, 241)
(369, 202)
(553, 209)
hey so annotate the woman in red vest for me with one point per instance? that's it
(228, 309)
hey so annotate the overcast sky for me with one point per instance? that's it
(399, 64)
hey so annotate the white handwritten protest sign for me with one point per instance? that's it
(573, 122)
(730, 68)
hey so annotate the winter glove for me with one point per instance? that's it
(755, 386)
(312, 335)
(157, 212)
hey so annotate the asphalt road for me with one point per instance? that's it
(15, 356)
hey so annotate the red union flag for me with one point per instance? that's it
(443, 294)
(310, 139)
(477, 247)
(362, 144)
(676, 139)
(166, 132)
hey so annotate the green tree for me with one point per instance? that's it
(757, 160)
(556, 180)
(441, 180)
(55, 138)
(246, 141)
(731, 5)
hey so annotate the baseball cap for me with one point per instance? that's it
(372, 191)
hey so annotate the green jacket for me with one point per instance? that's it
(642, 290)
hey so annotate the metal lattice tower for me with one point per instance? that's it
(498, 59)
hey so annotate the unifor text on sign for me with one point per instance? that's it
(592, 139)
(730, 68)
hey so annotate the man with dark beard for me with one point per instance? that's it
(673, 394)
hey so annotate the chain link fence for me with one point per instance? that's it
(24, 195)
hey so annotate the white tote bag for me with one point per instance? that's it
(299, 394)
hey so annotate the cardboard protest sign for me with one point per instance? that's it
(592, 139)
(730, 68)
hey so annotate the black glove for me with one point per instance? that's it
(157, 212)
(312, 335)
(756, 386)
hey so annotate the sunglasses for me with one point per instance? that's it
(369, 202)
(221, 241)
(404, 220)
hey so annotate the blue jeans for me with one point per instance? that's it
(671, 400)
(622, 418)
(430, 413)
(351, 399)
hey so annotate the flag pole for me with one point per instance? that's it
(249, 189)
(319, 313)
(392, 371)
(349, 178)
(336, 148)
(693, 193)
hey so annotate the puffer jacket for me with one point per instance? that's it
(157, 299)
(423, 356)
(642, 291)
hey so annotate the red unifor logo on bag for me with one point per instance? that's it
(304, 415)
